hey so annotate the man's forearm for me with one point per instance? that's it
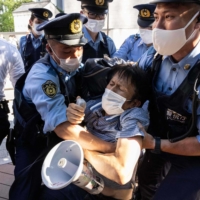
(186, 147)
(88, 141)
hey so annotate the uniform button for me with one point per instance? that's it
(170, 88)
(174, 69)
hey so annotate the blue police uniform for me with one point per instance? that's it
(41, 99)
(146, 60)
(132, 49)
(33, 48)
(134, 46)
(103, 45)
(170, 118)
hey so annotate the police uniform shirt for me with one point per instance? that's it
(146, 60)
(42, 88)
(95, 45)
(36, 42)
(172, 74)
(10, 63)
(132, 49)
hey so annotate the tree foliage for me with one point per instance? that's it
(6, 16)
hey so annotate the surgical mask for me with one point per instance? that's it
(34, 27)
(146, 35)
(112, 102)
(168, 42)
(95, 25)
(70, 64)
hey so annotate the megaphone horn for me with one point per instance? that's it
(64, 165)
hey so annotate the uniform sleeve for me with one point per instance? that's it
(22, 42)
(124, 49)
(111, 46)
(16, 65)
(129, 120)
(43, 89)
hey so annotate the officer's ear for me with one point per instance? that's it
(49, 50)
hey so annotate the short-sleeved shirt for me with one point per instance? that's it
(40, 80)
(110, 128)
(132, 49)
(95, 45)
(11, 63)
(172, 74)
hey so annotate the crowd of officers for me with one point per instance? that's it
(44, 73)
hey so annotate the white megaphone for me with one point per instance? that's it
(64, 165)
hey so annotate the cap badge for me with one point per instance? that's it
(46, 14)
(76, 26)
(99, 2)
(145, 13)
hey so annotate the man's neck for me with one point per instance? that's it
(35, 36)
(93, 35)
(185, 50)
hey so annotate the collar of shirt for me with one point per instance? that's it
(190, 59)
(89, 38)
(35, 39)
(141, 43)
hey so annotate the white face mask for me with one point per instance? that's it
(112, 102)
(168, 42)
(95, 25)
(146, 35)
(34, 27)
(70, 64)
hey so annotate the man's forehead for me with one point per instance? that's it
(174, 7)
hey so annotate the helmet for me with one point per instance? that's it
(175, 1)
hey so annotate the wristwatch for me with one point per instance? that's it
(157, 148)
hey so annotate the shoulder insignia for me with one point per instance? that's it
(99, 2)
(76, 26)
(49, 88)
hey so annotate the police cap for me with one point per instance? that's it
(41, 13)
(96, 6)
(60, 14)
(145, 16)
(175, 1)
(66, 29)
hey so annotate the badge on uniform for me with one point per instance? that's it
(76, 26)
(99, 2)
(174, 116)
(49, 88)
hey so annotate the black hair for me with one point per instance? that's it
(32, 17)
(138, 78)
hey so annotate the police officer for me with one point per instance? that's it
(11, 63)
(136, 45)
(32, 46)
(174, 107)
(99, 44)
(41, 99)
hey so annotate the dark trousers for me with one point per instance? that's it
(4, 125)
(71, 192)
(182, 182)
(29, 160)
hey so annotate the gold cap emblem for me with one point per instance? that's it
(145, 13)
(99, 2)
(76, 26)
(187, 67)
(46, 14)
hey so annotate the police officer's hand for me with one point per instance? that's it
(148, 141)
(75, 113)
